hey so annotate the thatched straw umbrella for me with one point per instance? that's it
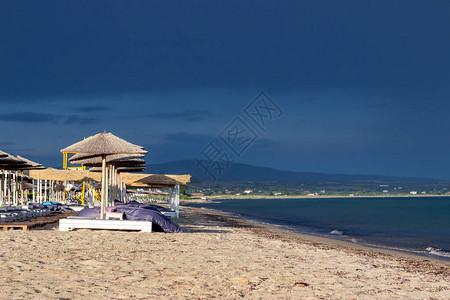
(104, 144)
(31, 165)
(11, 162)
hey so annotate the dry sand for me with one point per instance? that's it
(218, 257)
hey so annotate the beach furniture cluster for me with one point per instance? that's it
(112, 156)
(103, 173)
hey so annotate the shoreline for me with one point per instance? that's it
(325, 239)
(224, 197)
(283, 233)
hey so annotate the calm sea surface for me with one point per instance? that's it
(414, 224)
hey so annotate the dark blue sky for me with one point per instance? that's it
(364, 85)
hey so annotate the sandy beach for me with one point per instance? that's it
(218, 256)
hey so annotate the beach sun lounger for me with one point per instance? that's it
(92, 223)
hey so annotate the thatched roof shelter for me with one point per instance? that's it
(64, 175)
(135, 168)
(154, 180)
(131, 180)
(105, 144)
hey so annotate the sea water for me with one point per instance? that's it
(414, 224)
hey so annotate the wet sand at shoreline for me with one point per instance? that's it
(218, 256)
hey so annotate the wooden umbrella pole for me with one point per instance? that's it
(39, 191)
(108, 171)
(13, 187)
(5, 187)
(111, 184)
(114, 184)
(22, 198)
(104, 195)
(1, 187)
(9, 186)
(118, 183)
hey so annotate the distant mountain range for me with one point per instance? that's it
(243, 172)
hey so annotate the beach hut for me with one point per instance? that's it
(103, 145)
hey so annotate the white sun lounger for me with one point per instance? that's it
(92, 223)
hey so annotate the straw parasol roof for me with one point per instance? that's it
(104, 144)
(10, 162)
(120, 164)
(3, 154)
(115, 159)
(80, 157)
(134, 169)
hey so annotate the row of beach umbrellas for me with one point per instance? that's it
(11, 162)
(99, 152)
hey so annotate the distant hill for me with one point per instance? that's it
(244, 172)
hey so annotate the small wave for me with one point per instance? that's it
(336, 232)
(437, 251)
